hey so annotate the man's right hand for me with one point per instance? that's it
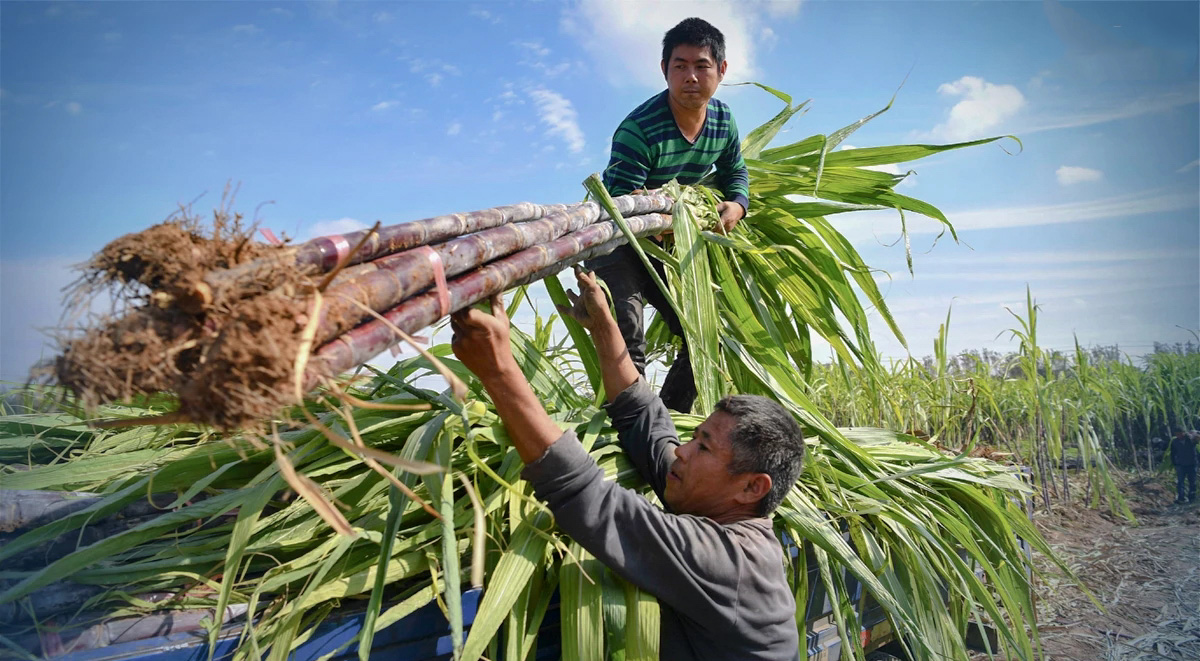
(590, 307)
(481, 340)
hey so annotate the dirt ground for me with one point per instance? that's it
(1145, 576)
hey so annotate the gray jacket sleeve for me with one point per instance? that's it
(646, 433)
(690, 563)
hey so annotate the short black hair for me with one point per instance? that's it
(765, 439)
(695, 32)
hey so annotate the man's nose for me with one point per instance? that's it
(679, 451)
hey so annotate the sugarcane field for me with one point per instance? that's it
(874, 333)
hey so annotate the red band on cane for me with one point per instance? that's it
(270, 236)
(342, 246)
(334, 250)
(439, 279)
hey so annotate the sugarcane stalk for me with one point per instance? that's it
(360, 344)
(322, 254)
(395, 278)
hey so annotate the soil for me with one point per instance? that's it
(1146, 576)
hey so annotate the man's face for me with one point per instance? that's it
(692, 76)
(699, 481)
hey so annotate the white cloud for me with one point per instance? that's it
(434, 71)
(483, 15)
(1076, 212)
(331, 227)
(984, 107)
(454, 129)
(767, 37)
(630, 33)
(247, 28)
(1123, 109)
(1190, 166)
(1039, 81)
(382, 17)
(864, 225)
(1072, 174)
(383, 105)
(534, 56)
(280, 11)
(421, 65)
(111, 37)
(1157, 255)
(559, 115)
(509, 96)
(782, 8)
(534, 47)
(73, 107)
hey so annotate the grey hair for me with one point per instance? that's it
(765, 439)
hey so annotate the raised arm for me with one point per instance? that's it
(643, 424)
(590, 309)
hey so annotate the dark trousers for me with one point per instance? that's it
(1185, 473)
(631, 288)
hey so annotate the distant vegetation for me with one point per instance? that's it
(1050, 410)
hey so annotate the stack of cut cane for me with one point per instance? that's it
(240, 330)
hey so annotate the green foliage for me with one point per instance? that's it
(915, 526)
(1050, 411)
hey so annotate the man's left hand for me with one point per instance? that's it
(481, 340)
(731, 214)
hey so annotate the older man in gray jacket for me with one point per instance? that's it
(711, 559)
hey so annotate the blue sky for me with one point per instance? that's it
(333, 115)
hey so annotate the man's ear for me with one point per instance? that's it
(663, 66)
(721, 69)
(758, 485)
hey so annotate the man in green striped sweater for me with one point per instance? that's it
(681, 133)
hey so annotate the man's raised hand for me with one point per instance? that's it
(481, 340)
(590, 306)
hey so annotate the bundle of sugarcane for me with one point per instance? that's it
(240, 330)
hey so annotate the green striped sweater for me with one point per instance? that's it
(648, 150)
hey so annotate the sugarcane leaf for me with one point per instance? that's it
(696, 290)
(248, 513)
(595, 186)
(582, 610)
(759, 138)
(110, 546)
(415, 448)
(512, 572)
